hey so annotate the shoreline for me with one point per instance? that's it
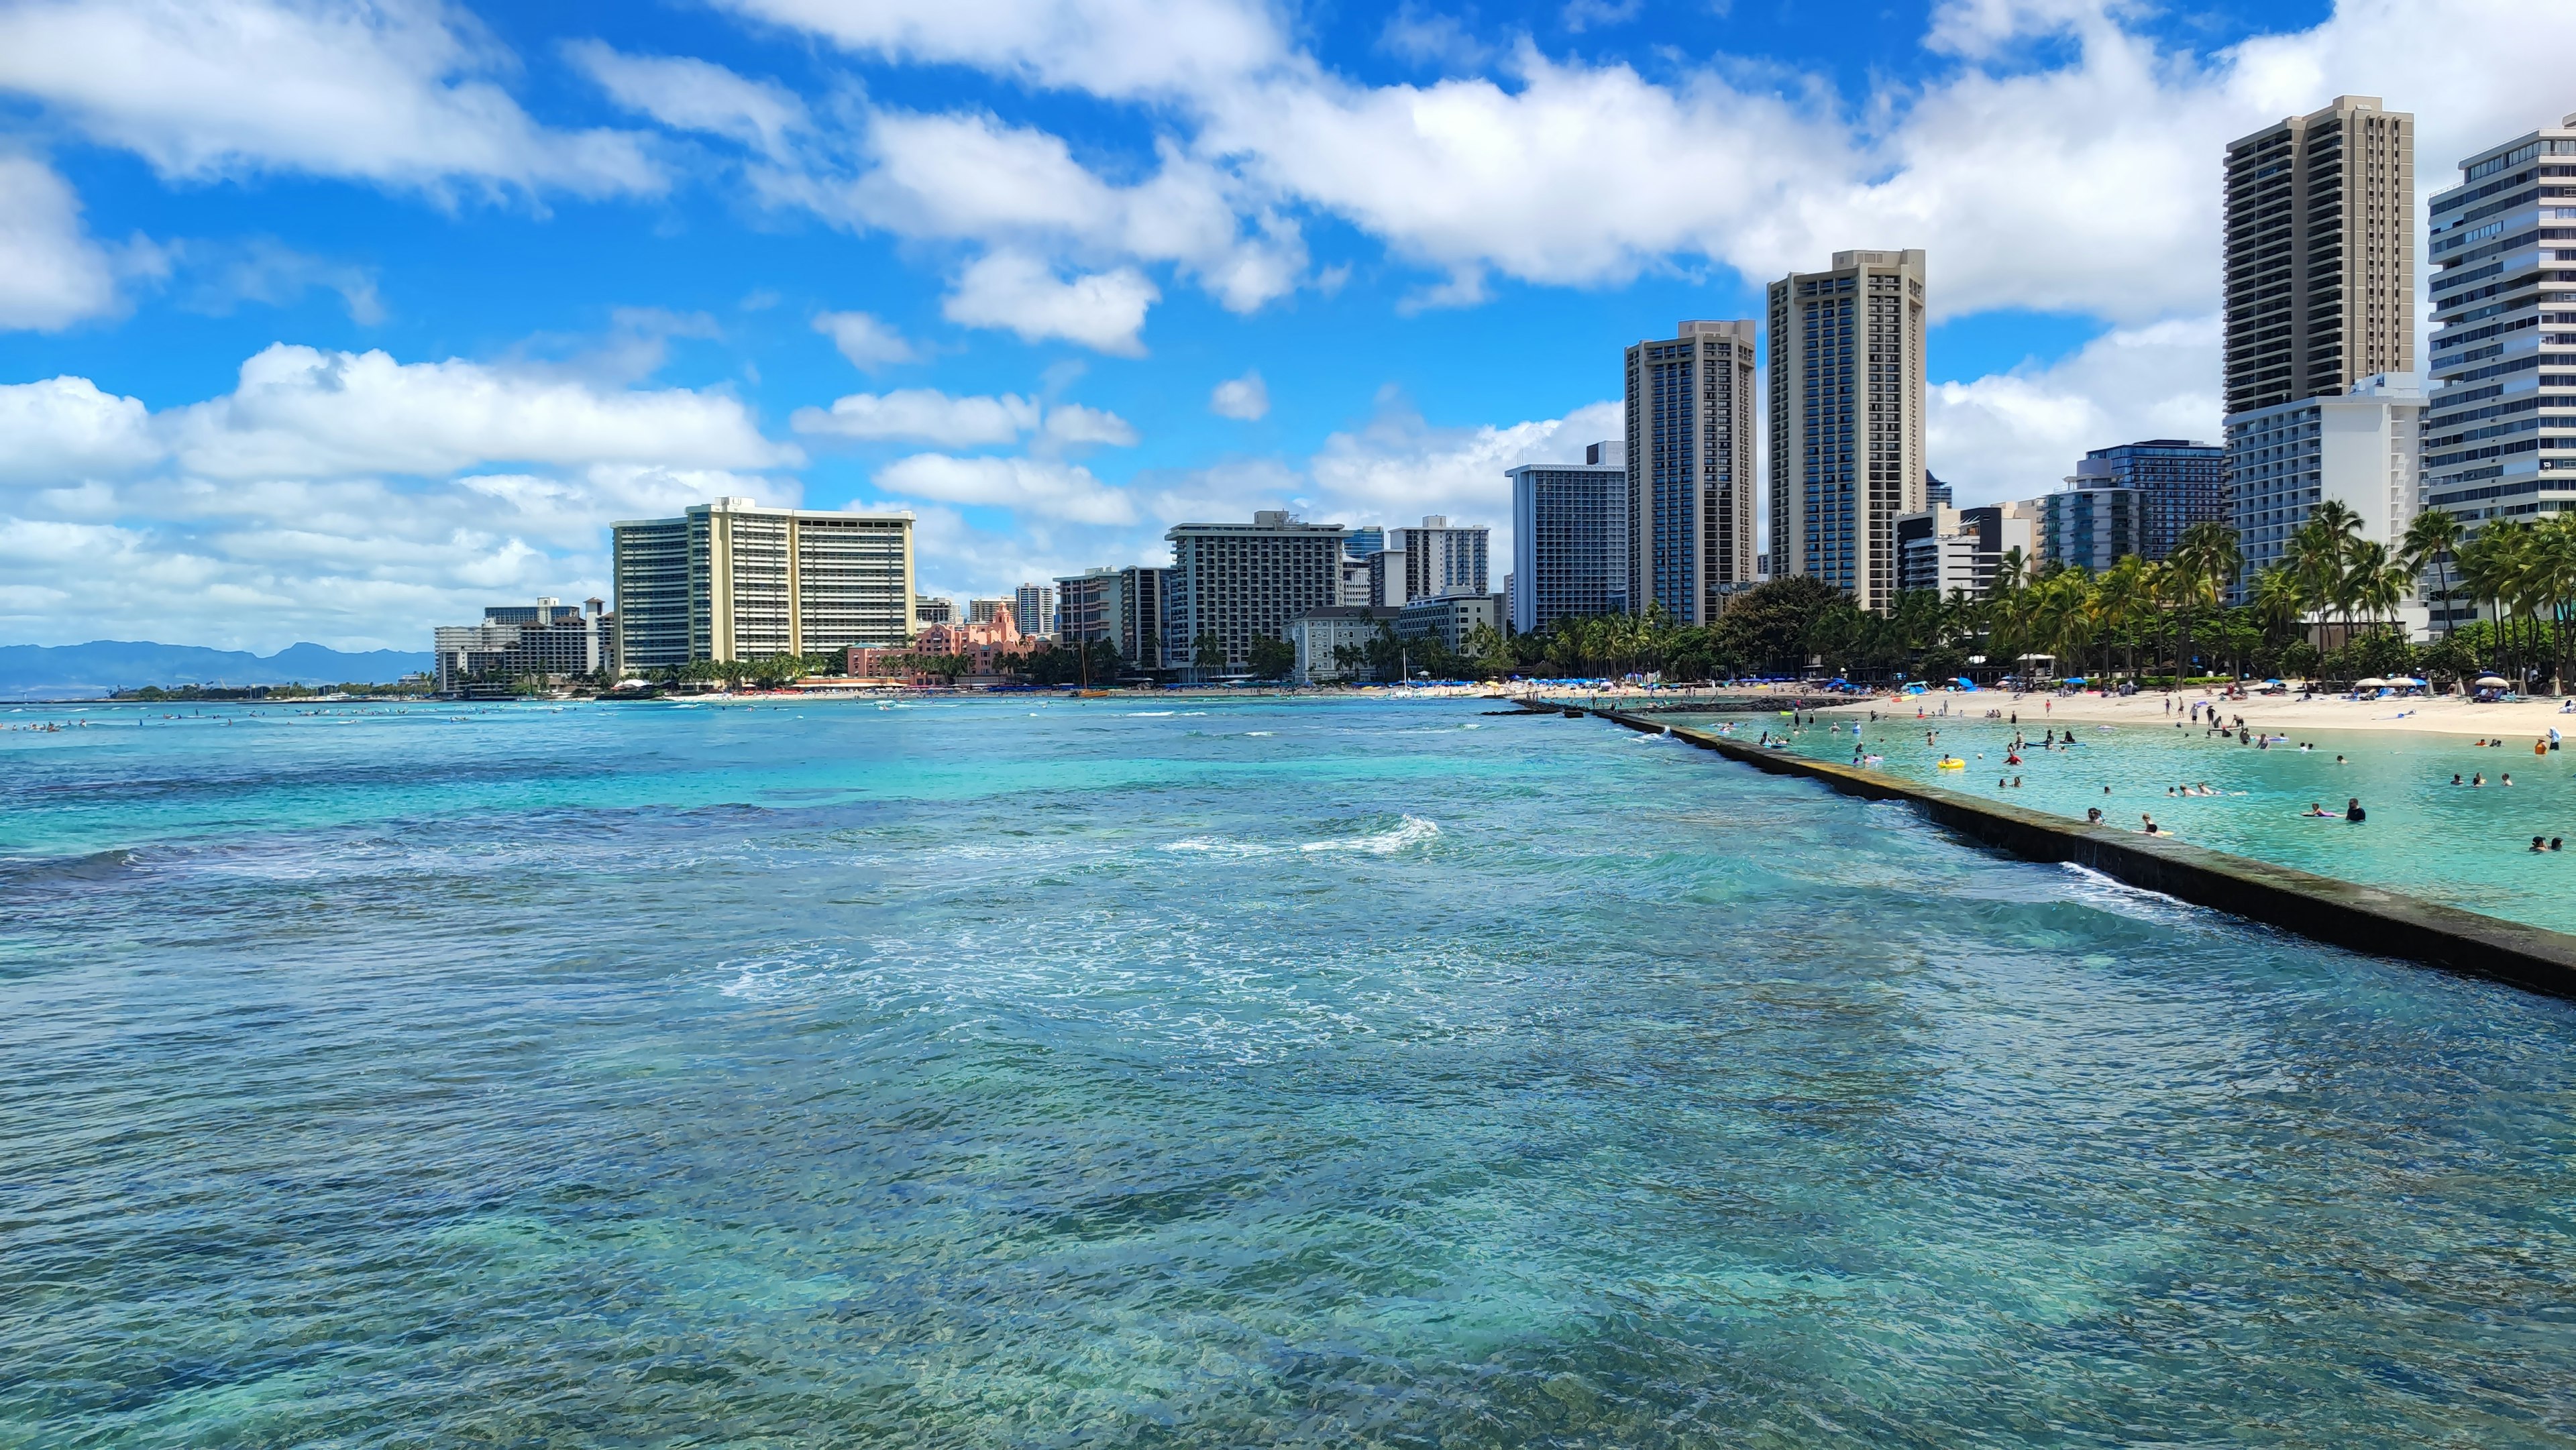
(2516, 723)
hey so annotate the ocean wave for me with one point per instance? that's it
(1413, 832)
(1210, 846)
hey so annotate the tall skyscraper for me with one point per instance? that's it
(1033, 605)
(1690, 469)
(2504, 339)
(2177, 483)
(730, 580)
(2320, 285)
(1847, 419)
(1569, 539)
(1242, 582)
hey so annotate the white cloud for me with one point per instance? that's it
(301, 412)
(1069, 424)
(1121, 48)
(1246, 398)
(927, 415)
(342, 497)
(51, 274)
(924, 415)
(687, 94)
(63, 430)
(2016, 435)
(1027, 485)
(1398, 464)
(866, 341)
(222, 276)
(2085, 185)
(1103, 311)
(390, 91)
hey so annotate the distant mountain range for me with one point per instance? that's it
(87, 671)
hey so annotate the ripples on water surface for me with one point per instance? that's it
(1306, 1074)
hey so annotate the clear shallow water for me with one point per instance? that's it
(1287, 1074)
(2465, 845)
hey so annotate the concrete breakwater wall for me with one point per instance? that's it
(2342, 913)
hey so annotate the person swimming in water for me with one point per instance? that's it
(2150, 828)
(2317, 810)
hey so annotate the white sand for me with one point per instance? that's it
(2517, 723)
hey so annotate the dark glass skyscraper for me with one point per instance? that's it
(2178, 483)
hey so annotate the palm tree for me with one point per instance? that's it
(2206, 560)
(2429, 540)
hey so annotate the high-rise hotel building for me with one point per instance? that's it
(1569, 539)
(1242, 582)
(730, 580)
(2504, 338)
(2320, 302)
(1690, 467)
(1846, 402)
(2320, 284)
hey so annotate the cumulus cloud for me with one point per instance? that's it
(64, 430)
(51, 273)
(1245, 399)
(1103, 311)
(923, 415)
(688, 94)
(868, 342)
(2017, 434)
(1041, 487)
(389, 91)
(1070, 424)
(1119, 48)
(303, 412)
(2085, 186)
(343, 497)
(927, 415)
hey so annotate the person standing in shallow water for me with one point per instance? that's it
(2353, 812)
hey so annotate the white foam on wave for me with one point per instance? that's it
(1413, 832)
(1147, 714)
(1210, 846)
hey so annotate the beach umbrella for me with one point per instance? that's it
(2373, 683)
(2408, 680)
(1965, 683)
(2494, 682)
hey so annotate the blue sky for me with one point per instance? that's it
(332, 321)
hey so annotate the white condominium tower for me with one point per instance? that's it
(1242, 582)
(730, 580)
(1429, 562)
(1690, 469)
(2504, 339)
(1847, 420)
(2320, 285)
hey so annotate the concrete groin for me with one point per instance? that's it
(2341, 913)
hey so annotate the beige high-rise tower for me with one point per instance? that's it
(1847, 369)
(2320, 254)
(1690, 469)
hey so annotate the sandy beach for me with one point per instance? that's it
(2516, 723)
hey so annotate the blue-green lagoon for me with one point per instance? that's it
(2466, 845)
(1013, 1073)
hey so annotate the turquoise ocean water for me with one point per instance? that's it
(1005, 1074)
(2466, 845)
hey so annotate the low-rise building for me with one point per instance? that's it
(1321, 634)
(986, 647)
(1450, 618)
(551, 640)
(1945, 549)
